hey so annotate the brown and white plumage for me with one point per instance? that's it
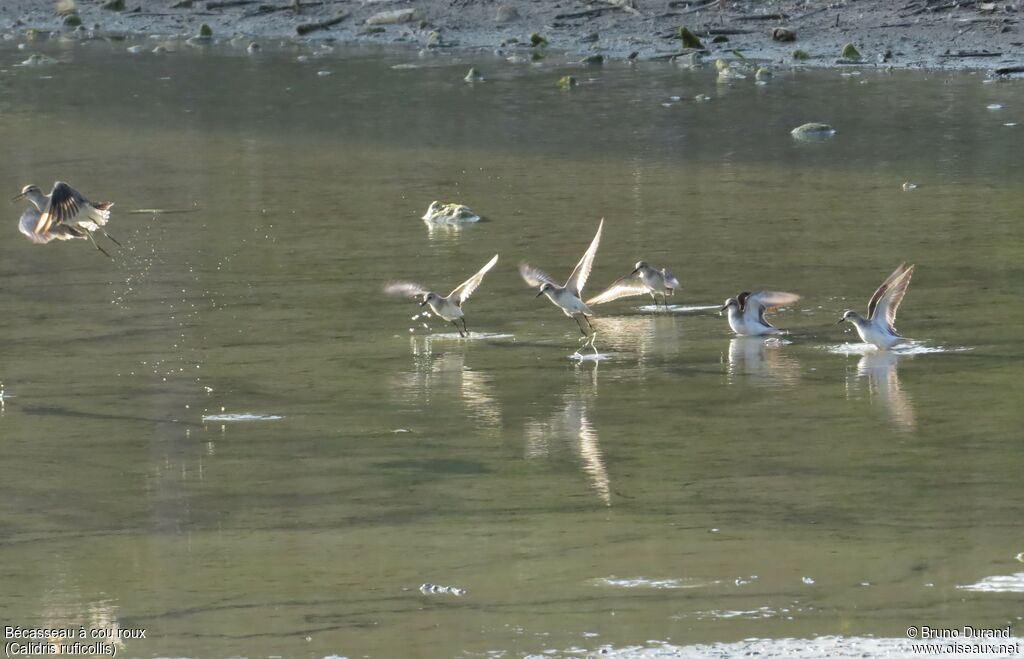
(64, 214)
(645, 279)
(747, 311)
(448, 307)
(567, 297)
(879, 327)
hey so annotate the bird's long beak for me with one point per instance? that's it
(635, 270)
(723, 308)
(423, 303)
(18, 196)
(539, 294)
(840, 321)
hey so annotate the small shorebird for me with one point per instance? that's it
(64, 214)
(746, 311)
(878, 328)
(645, 278)
(447, 307)
(567, 298)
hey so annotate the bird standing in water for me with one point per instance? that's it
(746, 311)
(645, 278)
(878, 329)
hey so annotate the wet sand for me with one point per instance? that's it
(901, 34)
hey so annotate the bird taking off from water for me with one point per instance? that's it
(746, 311)
(645, 278)
(447, 307)
(64, 214)
(567, 298)
(878, 328)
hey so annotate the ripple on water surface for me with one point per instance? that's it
(240, 417)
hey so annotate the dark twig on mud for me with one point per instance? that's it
(694, 10)
(586, 13)
(760, 17)
(713, 31)
(971, 53)
(306, 28)
(229, 3)
(270, 9)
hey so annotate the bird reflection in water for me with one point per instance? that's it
(761, 361)
(444, 375)
(879, 367)
(571, 424)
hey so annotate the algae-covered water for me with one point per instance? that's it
(228, 437)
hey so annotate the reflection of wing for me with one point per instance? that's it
(623, 287)
(887, 298)
(535, 277)
(578, 279)
(466, 288)
(755, 305)
(27, 226)
(670, 279)
(406, 288)
(880, 367)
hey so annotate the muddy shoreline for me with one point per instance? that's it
(928, 34)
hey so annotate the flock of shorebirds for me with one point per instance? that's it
(66, 214)
(746, 312)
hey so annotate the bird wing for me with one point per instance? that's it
(579, 275)
(670, 279)
(65, 203)
(887, 298)
(406, 288)
(622, 287)
(755, 305)
(466, 288)
(534, 277)
(884, 288)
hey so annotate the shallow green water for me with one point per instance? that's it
(579, 504)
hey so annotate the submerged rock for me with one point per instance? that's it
(434, 589)
(204, 38)
(474, 76)
(800, 55)
(113, 5)
(593, 59)
(726, 73)
(567, 82)
(812, 131)
(537, 41)
(253, 48)
(451, 213)
(702, 98)
(762, 74)
(38, 60)
(136, 49)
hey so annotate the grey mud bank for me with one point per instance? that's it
(898, 33)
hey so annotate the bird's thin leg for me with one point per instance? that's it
(458, 328)
(111, 238)
(89, 233)
(464, 325)
(580, 325)
(588, 322)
